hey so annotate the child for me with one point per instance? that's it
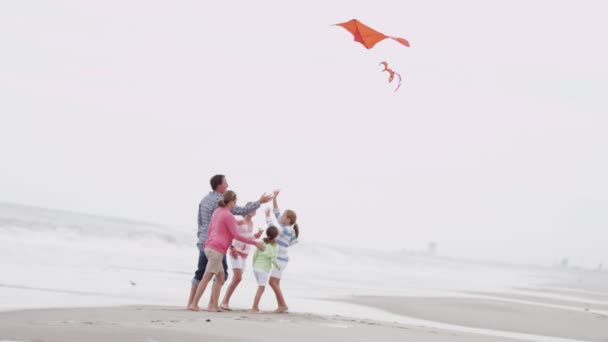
(288, 236)
(263, 262)
(238, 256)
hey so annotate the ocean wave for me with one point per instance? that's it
(16, 219)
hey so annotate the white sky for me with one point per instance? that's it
(495, 146)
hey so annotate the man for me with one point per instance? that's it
(208, 204)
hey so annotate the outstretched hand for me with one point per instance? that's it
(260, 246)
(265, 198)
(276, 193)
(259, 233)
(267, 212)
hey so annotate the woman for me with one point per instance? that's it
(222, 230)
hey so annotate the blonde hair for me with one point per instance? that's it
(291, 215)
(228, 197)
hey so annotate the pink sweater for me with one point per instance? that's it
(222, 230)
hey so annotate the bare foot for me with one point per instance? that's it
(255, 311)
(194, 308)
(281, 309)
(214, 310)
(225, 307)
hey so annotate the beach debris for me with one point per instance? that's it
(132, 283)
(208, 320)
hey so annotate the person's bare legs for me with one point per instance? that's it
(215, 295)
(192, 293)
(275, 284)
(238, 276)
(199, 291)
(256, 300)
(211, 299)
(210, 304)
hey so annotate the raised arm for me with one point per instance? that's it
(268, 218)
(251, 206)
(248, 208)
(277, 213)
(275, 204)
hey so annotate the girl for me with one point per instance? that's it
(238, 256)
(263, 262)
(288, 236)
(222, 229)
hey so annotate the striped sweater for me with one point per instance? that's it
(287, 236)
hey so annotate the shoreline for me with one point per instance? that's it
(492, 316)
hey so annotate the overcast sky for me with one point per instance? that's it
(495, 146)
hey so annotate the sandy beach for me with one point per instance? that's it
(496, 315)
(165, 323)
(569, 292)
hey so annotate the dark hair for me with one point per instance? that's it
(228, 197)
(296, 229)
(271, 233)
(216, 181)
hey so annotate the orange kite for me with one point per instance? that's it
(367, 35)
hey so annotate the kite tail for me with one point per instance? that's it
(399, 84)
(403, 41)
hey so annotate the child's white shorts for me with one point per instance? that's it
(279, 273)
(261, 276)
(238, 262)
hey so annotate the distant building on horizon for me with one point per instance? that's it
(431, 248)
